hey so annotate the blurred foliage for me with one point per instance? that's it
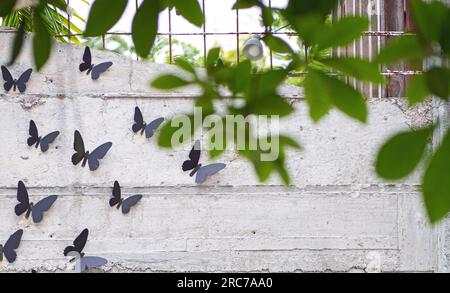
(47, 18)
(253, 90)
(404, 152)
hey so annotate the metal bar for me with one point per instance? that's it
(270, 50)
(170, 35)
(237, 37)
(137, 6)
(386, 73)
(204, 32)
(68, 20)
(369, 33)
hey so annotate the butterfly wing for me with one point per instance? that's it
(116, 194)
(91, 262)
(7, 77)
(194, 157)
(138, 120)
(99, 69)
(23, 79)
(97, 154)
(48, 139)
(130, 202)
(34, 135)
(87, 60)
(78, 243)
(152, 126)
(78, 146)
(204, 172)
(22, 197)
(11, 245)
(42, 206)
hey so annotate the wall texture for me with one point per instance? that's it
(337, 216)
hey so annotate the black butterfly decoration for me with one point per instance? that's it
(35, 210)
(140, 125)
(117, 199)
(91, 158)
(95, 70)
(76, 251)
(202, 172)
(11, 245)
(38, 140)
(20, 83)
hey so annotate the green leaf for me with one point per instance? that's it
(308, 27)
(166, 4)
(212, 57)
(417, 91)
(240, 79)
(191, 10)
(436, 183)
(6, 7)
(429, 18)
(145, 27)
(270, 105)
(61, 4)
(185, 65)
(288, 141)
(438, 81)
(42, 41)
(342, 32)
(167, 132)
(317, 96)
(103, 16)
(406, 47)
(269, 81)
(358, 68)
(277, 44)
(303, 7)
(401, 154)
(218, 150)
(445, 39)
(264, 168)
(347, 99)
(267, 16)
(18, 42)
(244, 4)
(169, 82)
(322, 91)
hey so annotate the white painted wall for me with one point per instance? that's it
(337, 216)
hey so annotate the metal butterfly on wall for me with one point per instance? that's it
(91, 158)
(202, 172)
(140, 125)
(94, 70)
(117, 199)
(11, 83)
(35, 210)
(10, 246)
(76, 251)
(38, 140)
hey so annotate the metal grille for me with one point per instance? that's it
(388, 19)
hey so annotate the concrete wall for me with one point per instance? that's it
(337, 216)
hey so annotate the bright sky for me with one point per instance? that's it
(219, 18)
